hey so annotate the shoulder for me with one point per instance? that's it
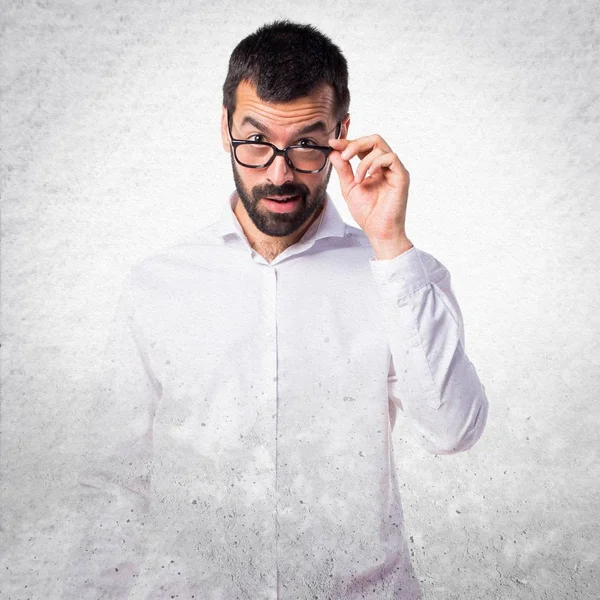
(357, 235)
(172, 262)
(359, 238)
(416, 259)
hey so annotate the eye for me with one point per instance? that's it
(256, 137)
(306, 142)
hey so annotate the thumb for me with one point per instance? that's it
(344, 171)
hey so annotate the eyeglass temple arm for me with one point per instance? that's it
(339, 131)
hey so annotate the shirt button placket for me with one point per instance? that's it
(270, 315)
(270, 318)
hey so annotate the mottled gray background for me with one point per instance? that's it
(111, 150)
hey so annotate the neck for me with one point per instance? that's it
(269, 247)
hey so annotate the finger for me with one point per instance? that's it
(362, 146)
(338, 143)
(365, 164)
(343, 169)
(389, 164)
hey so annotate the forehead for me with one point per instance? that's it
(319, 105)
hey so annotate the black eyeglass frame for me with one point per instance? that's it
(277, 151)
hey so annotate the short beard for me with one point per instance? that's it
(280, 224)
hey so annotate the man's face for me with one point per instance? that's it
(307, 120)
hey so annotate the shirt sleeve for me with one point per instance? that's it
(431, 378)
(106, 555)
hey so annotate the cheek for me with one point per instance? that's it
(246, 177)
(251, 179)
(312, 182)
(316, 183)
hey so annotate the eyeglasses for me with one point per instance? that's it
(259, 155)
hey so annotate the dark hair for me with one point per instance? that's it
(285, 61)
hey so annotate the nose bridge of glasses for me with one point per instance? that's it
(279, 171)
(283, 153)
(275, 152)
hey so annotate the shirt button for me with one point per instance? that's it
(401, 302)
(398, 278)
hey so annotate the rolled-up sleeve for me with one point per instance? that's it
(113, 487)
(431, 378)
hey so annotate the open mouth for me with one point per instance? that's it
(283, 200)
(282, 204)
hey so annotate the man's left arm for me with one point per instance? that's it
(432, 379)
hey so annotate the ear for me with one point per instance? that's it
(345, 126)
(224, 131)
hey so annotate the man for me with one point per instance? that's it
(246, 446)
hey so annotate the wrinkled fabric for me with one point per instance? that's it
(243, 441)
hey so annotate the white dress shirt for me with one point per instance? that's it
(245, 440)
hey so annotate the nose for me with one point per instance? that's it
(279, 172)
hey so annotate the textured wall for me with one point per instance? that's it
(110, 139)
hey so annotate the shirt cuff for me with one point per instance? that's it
(399, 276)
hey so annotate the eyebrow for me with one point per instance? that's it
(317, 126)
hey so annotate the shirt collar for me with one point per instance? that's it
(328, 224)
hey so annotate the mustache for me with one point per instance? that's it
(287, 189)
